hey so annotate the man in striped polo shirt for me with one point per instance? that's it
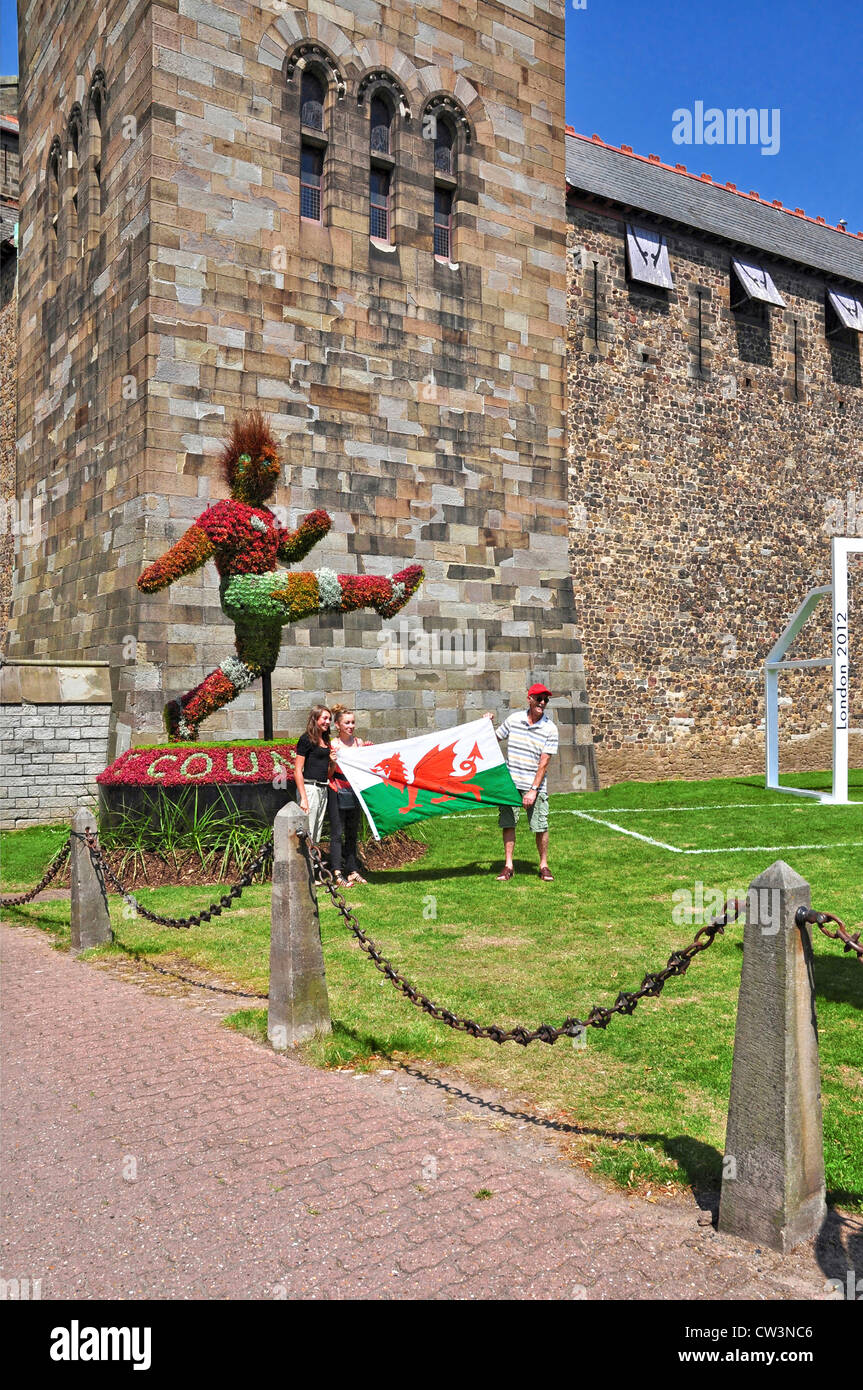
(532, 739)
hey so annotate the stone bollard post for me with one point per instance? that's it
(91, 922)
(773, 1172)
(298, 1005)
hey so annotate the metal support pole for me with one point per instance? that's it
(267, 698)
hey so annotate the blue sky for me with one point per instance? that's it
(631, 64)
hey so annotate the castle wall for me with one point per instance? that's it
(421, 401)
(704, 492)
(83, 305)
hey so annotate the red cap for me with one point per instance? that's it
(539, 689)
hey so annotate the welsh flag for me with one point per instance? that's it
(433, 775)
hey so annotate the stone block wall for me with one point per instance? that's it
(53, 741)
(708, 472)
(420, 400)
(8, 358)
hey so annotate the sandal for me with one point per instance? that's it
(356, 878)
(546, 875)
(506, 875)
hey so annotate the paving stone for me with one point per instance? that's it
(218, 1123)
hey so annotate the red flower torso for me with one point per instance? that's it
(241, 546)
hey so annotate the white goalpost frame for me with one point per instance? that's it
(842, 547)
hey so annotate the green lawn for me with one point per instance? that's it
(645, 1101)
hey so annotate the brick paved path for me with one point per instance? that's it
(259, 1177)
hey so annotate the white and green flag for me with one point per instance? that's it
(433, 775)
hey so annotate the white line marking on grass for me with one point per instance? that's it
(771, 849)
(717, 806)
(725, 849)
(610, 825)
(660, 810)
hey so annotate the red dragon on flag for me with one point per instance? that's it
(436, 771)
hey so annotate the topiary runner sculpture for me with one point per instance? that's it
(245, 540)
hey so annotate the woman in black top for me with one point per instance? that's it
(312, 768)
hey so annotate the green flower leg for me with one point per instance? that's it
(258, 645)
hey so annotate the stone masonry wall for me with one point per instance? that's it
(53, 740)
(8, 356)
(703, 504)
(51, 756)
(421, 401)
(82, 324)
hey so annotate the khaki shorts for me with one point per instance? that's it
(537, 816)
(316, 796)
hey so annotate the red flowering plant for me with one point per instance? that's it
(246, 541)
(202, 764)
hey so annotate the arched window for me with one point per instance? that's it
(312, 94)
(53, 204)
(313, 144)
(444, 147)
(381, 119)
(73, 162)
(381, 167)
(95, 151)
(443, 135)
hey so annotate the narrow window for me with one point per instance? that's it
(312, 102)
(443, 223)
(379, 204)
(311, 175)
(96, 157)
(381, 121)
(444, 162)
(53, 194)
(73, 159)
(313, 146)
(445, 186)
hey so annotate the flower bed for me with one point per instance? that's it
(203, 764)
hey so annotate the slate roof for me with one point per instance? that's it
(674, 194)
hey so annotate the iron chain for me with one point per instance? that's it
(194, 919)
(806, 915)
(51, 872)
(599, 1017)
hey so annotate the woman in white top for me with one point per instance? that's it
(344, 809)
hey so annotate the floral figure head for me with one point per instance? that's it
(250, 459)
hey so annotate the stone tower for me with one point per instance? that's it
(353, 216)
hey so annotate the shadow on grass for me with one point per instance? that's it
(839, 1246)
(476, 869)
(836, 980)
(700, 1163)
(18, 917)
